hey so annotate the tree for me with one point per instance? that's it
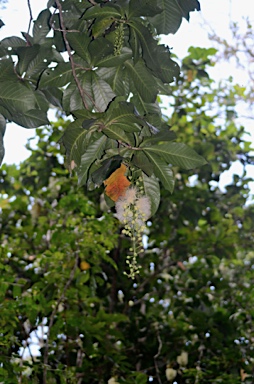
(115, 70)
(187, 318)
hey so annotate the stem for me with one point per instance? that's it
(64, 32)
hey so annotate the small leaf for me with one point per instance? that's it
(117, 183)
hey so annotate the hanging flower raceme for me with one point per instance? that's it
(133, 210)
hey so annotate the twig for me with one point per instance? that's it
(31, 16)
(51, 319)
(64, 32)
(157, 355)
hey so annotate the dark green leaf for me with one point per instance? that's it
(79, 42)
(102, 93)
(41, 26)
(143, 8)
(115, 60)
(142, 80)
(101, 11)
(31, 119)
(26, 55)
(57, 76)
(141, 161)
(93, 152)
(162, 171)
(16, 96)
(7, 70)
(177, 154)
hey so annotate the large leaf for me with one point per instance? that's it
(74, 141)
(26, 55)
(143, 8)
(79, 43)
(57, 76)
(31, 119)
(148, 44)
(16, 96)
(123, 117)
(170, 19)
(162, 171)
(102, 93)
(177, 154)
(2, 132)
(7, 70)
(41, 26)
(142, 80)
(115, 60)
(101, 11)
(93, 152)
(152, 190)
(141, 161)
(116, 133)
(12, 43)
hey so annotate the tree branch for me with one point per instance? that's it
(64, 32)
(31, 16)
(51, 319)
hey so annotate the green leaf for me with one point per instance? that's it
(7, 70)
(16, 96)
(79, 42)
(170, 19)
(113, 60)
(2, 132)
(169, 69)
(116, 133)
(141, 161)
(162, 170)
(177, 154)
(101, 11)
(99, 49)
(31, 119)
(41, 26)
(57, 76)
(26, 55)
(142, 80)
(12, 43)
(143, 8)
(152, 190)
(102, 93)
(123, 117)
(165, 135)
(93, 152)
(74, 141)
(148, 44)
(54, 96)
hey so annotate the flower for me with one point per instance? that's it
(144, 206)
(182, 359)
(170, 374)
(112, 380)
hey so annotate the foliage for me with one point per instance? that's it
(193, 294)
(110, 86)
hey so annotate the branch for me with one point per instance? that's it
(31, 16)
(157, 355)
(81, 91)
(51, 319)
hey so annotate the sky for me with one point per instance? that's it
(215, 13)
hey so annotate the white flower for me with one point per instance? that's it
(170, 374)
(130, 195)
(112, 380)
(144, 206)
(182, 359)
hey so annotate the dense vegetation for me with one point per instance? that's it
(68, 312)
